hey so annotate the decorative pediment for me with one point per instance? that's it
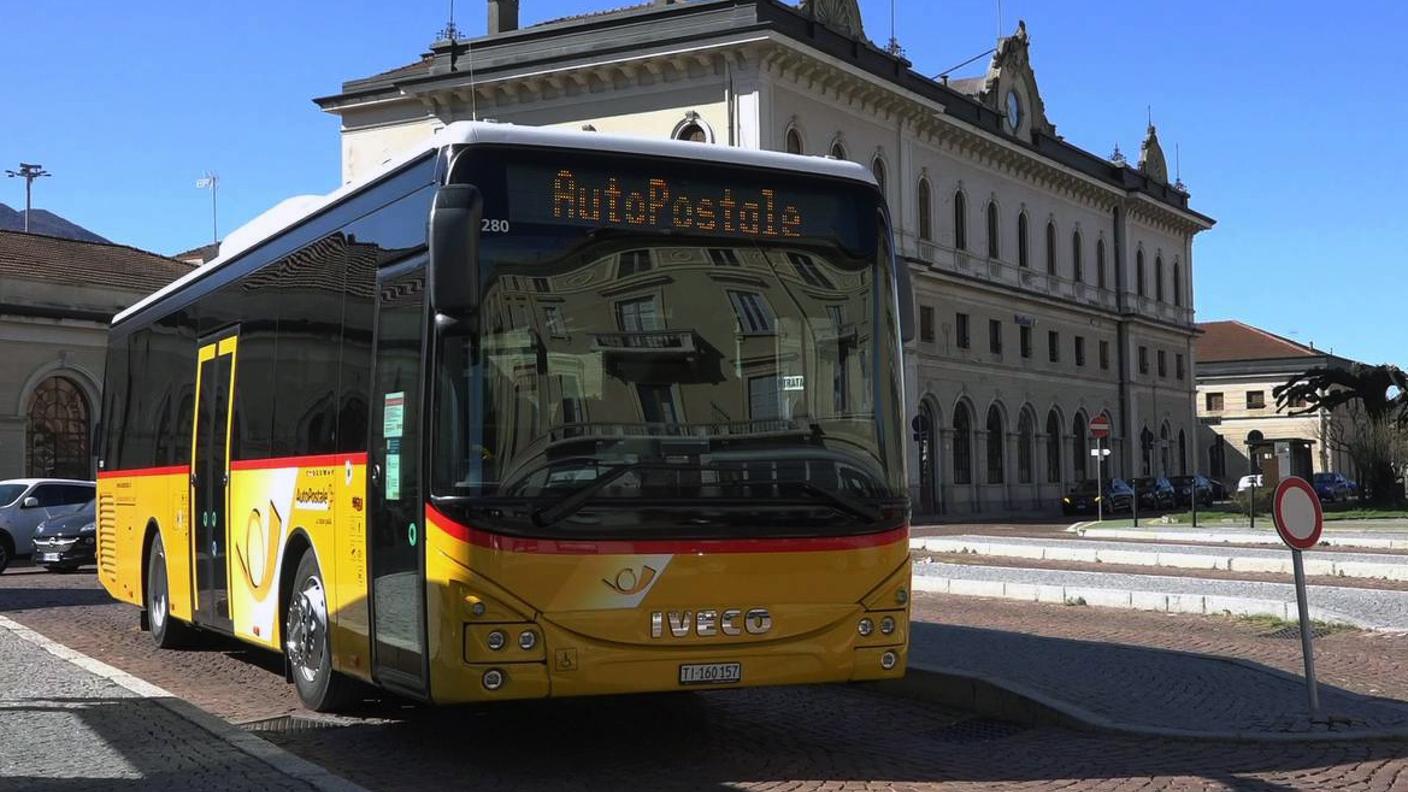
(1151, 158)
(841, 15)
(1010, 72)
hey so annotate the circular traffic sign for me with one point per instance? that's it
(1296, 508)
(1100, 426)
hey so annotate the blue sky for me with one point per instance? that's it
(1289, 117)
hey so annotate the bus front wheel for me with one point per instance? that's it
(308, 643)
(168, 631)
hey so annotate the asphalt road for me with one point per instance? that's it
(835, 737)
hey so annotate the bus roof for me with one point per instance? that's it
(293, 211)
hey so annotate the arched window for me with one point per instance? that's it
(960, 221)
(1053, 447)
(1159, 278)
(1177, 283)
(962, 445)
(58, 431)
(1146, 452)
(1026, 446)
(1100, 263)
(1164, 467)
(692, 132)
(926, 216)
(992, 230)
(995, 445)
(928, 427)
(793, 143)
(1022, 260)
(1079, 452)
(1139, 272)
(838, 151)
(877, 167)
(1051, 248)
(1182, 453)
(1077, 266)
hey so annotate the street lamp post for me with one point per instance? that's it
(29, 172)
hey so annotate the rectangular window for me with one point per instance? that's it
(926, 323)
(638, 316)
(541, 285)
(1025, 334)
(1163, 364)
(995, 336)
(964, 340)
(1178, 365)
(1143, 360)
(809, 271)
(754, 314)
(1080, 350)
(1213, 402)
(764, 402)
(1105, 355)
(633, 262)
(723, 257)
(1256, 400)
(552, 320)
(1053, 346)
(657, 403)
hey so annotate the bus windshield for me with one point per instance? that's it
(667, 348)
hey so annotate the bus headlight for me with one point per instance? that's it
(865, 627)
(496, 640)
(901, 595)
(494, 679)
(527, 640)
(887, 625)
(887, 660)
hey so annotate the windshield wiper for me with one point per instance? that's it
(578, 498)
(844, 503)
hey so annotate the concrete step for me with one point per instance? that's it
(1334, 537)
(1277, 560)
(1373, 609)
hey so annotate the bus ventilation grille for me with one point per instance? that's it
(107, 537)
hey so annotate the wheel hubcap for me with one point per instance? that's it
(157, 612)
(306, 632)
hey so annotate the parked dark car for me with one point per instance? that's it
(1082, 499)
(1184, 486)
(1155, 493)
(67, 542)
(1333, 487)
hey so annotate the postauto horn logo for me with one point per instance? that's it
(708, 623)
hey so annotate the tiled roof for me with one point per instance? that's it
(591, 14)
(71, 262)
(202, 254)
(1232, 340)
(421, 66)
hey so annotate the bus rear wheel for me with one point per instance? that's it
(168, 631)
(308, 641)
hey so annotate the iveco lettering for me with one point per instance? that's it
(527, 413)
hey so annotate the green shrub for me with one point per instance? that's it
(1263, 500)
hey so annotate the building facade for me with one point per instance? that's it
(1238, 368)
(1052, 285)
(57, 297)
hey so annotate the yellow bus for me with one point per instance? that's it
(528, 413)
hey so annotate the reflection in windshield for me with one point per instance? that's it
(742, 368)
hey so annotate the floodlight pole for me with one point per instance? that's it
(29, 172)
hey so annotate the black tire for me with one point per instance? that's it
(6, 550)
(308, 641)
(168, 632)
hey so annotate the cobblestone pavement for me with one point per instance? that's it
(834, 737)
(62, 727)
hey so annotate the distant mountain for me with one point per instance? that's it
(47, 223)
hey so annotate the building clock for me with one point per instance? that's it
(1014, 110)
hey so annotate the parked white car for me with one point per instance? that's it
(25, 503)
(1247, 482)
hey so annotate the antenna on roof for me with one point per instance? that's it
(999, 19)
(211, 181)
(1178, 170)
(451, 33)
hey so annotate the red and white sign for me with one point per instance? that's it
(1100, 426)
(1296, 508)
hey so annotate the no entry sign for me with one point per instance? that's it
(1296, 508)
(1100, 426)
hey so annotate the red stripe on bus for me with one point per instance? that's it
(320, 460)
(516, 544)
(169, 470)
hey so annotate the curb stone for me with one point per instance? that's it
(282, 761)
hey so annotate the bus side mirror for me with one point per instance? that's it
(454, 248)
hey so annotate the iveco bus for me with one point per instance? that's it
(528, 413)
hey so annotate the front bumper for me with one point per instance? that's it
(64, 551)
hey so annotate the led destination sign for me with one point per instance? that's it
(656, 204)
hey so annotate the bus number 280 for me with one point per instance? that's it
(493, 226)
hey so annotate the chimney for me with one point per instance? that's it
(503, 16)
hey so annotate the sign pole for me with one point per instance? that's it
(1311, 686)
(1099, 481)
